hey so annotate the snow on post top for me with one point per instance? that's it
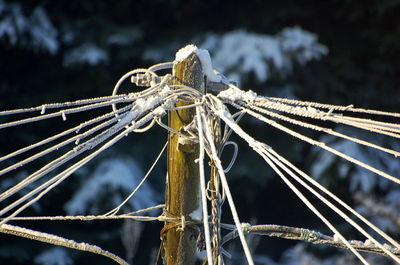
(204, 57)
(185, 52)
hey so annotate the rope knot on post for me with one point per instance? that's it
(180, 224)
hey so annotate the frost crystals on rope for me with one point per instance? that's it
(137, 112)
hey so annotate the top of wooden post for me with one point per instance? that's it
(205, 60)
(188, 69)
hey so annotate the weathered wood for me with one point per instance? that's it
(182, 190)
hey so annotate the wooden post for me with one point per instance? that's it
(182, 188)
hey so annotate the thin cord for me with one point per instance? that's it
(161, 66)
(349, 108)
(66, 132)
(58, 146)
(224, 115)
(330, 205)
(330, 194)
(228, 194)
(63, 113)
(62, 159)
(63, 175)
(44, 107)
(116, 209)
(235, 153)
(321, 145)
(314, 210)
(203, 185)
(323, 129)
(257, 148)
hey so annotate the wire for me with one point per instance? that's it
(200, 129)
(228, 194)
(235, 153)
(116, 209)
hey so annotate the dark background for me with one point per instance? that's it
(361, 69)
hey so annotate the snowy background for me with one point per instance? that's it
(327, 52)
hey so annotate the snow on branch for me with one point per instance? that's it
(35, 31)
(239, 52)
(88, 53)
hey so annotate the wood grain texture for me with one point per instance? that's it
(182, 189)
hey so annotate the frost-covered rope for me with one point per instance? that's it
(131, 215)
(200, 128)
(367, 123)
(225, 185)
(287, 166)
(60, 177)
(235, 153)
(322, 145)
(64, 174)
(330, 205)
(215, 197)
(145, 128)
(234, 94)
(161, 66)
(245, 96)
(66, 132)
(147, 91)
(349, 108)
(63, 113)
(168, 128)
(314, 210)
(58, 241)
(228, 131)
(263, 151)
(94, 217)
(44, 107)
(334, 197)
(69, 155)
(225, 116)
(320, 128)
(306, 235)
(195, 94)
(141, 107)
(75, 139)
(386, 128)
(61, 159)
(212, 189)
(185, 106)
